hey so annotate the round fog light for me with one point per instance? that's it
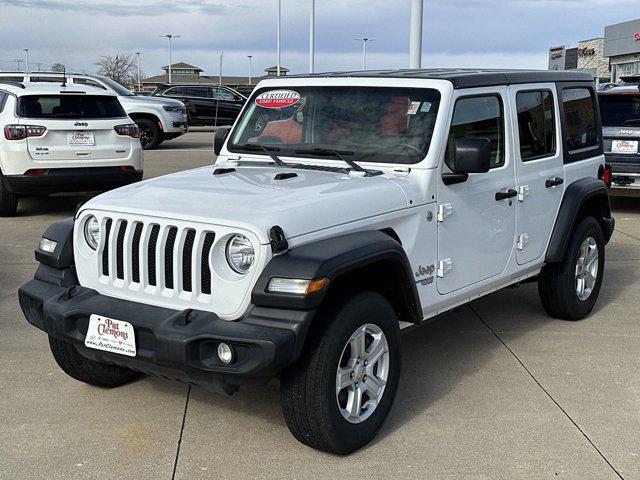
(225, 353)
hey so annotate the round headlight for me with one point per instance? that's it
(92, 232)
(240, 254)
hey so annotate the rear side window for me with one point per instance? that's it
(176, 91)
(580, 119)
(199, 92)
(3, 100)
(69, 106)
(88, 81)
(536, 124)
(478, 117)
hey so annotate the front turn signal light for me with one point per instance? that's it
(297, 286)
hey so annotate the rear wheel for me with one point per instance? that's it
(86, 370)
(150, 135)
(339, 394)
(569, 290)
(8, 201)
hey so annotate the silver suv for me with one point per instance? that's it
(158, 119)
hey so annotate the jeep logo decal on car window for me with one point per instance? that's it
(277, 99)
(81, 124)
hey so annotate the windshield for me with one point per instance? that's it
(369, 124)
(620, 110)
(116, 87)
(69, 106)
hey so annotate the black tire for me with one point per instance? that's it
(86, 370)
(8, 201)
(308, 390)
(150, 135)
(557, 282)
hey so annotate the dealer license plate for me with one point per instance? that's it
(81, 138)
(111, 335)
(624, 146)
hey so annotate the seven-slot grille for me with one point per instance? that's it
(153, 255)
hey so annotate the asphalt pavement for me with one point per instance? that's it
(493, 390)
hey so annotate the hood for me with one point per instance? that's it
(251, 198)
(150, 100)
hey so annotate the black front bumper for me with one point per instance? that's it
(59, 180)
(180, 345)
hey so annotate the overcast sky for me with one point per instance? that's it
(458, 33)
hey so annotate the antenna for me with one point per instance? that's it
(64, 77)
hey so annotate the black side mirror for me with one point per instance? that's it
(472, 155)
(219, 138)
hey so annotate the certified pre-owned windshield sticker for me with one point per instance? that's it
(277, 99)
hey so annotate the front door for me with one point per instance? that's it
(539, 167)
(477, 218)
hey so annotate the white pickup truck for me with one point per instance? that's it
(342, 209)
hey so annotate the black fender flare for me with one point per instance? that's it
(583, 192)
(332, 258)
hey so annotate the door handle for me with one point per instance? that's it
(506, 195)
(554, 182)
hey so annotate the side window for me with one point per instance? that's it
(536, 124)
(175, 92)
(222, 94)
(199, 92)
(478, 117)
(3, 100)
(580, 119)
(88, 81)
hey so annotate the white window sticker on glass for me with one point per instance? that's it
(413, 108)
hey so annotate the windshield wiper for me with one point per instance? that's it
(270, 151)
(340, 154)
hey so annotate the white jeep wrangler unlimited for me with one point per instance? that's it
(342, 209)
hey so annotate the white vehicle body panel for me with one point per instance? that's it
(480, 237)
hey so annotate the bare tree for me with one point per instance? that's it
(120, 68)
(57, 67)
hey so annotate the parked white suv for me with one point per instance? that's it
(63, 139)
(365, 203)
(158, 119)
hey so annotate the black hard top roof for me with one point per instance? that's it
(465, 78)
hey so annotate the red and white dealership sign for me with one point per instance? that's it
(277, 99)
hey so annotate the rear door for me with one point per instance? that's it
(202, 104)
(79, 127)
(539, 166)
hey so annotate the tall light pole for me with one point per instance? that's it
(26, 59)
(364, 50)
(138, 59)
(312, 38)
(278, 38)
(220, 71)
(170, 37)
(415, 37)
(250, 57)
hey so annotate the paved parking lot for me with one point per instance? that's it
(493, 390)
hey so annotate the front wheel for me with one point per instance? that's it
(86, 370)
(339, 394)
(150, 135)
(569, 290)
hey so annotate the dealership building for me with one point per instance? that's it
(608, 58)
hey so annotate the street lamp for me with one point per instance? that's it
(364, 50)
(26, 59)
(170, 37)
(415, 38)
(138, 58)
(312, 38)
(250, 57)
(279, 33)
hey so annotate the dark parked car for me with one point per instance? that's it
(620, 110)
(207, 105)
